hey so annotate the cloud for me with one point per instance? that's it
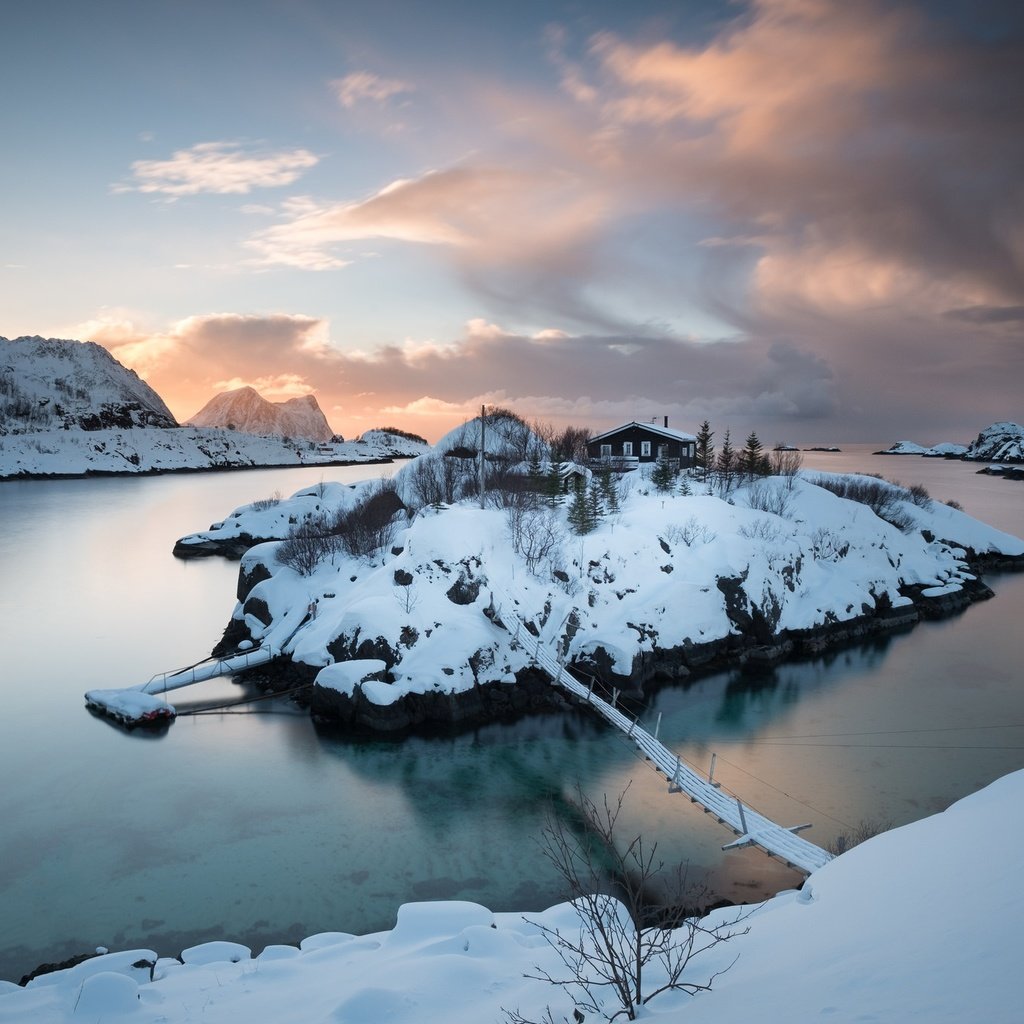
(275, 388)
(218, 167)
(362, 86)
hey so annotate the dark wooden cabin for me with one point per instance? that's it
(628, 446)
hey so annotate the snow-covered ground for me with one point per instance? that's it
(918, 924)
(665, 573)
(946, 449)
(140, 450)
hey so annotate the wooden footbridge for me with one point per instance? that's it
(137, 705)
(752, 828)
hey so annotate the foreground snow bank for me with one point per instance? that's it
(918, 924)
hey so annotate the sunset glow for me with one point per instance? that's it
(800, 216)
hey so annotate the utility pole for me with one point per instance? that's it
(483, 481)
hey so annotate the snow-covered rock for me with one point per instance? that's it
(1001, 442)
(245, 410)
(48, 383)
(876, 934)
(947, 450)
(904, 448)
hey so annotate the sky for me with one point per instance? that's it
(802, 217)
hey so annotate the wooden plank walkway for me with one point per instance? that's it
(752, 828)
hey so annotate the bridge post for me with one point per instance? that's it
(615, 696)
(743, 817)
(711, 772)
(657, 725)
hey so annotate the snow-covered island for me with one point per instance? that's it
(400, 600)
(68, 408)
(882, 932)
(1000, 442)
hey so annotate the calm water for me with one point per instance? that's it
(255, 826)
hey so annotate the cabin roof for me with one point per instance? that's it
(652, 428)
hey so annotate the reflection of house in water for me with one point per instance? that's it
(628, 446)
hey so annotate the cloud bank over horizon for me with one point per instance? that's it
(797, 216)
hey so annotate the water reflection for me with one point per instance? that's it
(261, 827)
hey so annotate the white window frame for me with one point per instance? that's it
(645, 449)
(627, 447)
(606, 451)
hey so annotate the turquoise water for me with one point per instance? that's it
(256, 826)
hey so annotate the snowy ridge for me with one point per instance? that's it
(248, 412)
(48, 383)
(872, 935)
(75, 453)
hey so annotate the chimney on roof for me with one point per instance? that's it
(666, 423)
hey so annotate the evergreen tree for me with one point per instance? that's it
(580, 520)
(725, 466)
(704, 451)
(684, 485)
(553, 491)
(595, 507)
(663, 476)
(751, 457)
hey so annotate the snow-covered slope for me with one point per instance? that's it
(945, 449)
(245, 410)
(661, 586)
(919, 924)
(47, 383)
(1001, 442)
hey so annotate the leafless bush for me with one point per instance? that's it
(769, 496)
(785, 463)
(691, 533)
(308, 544)
(436, 480)
(953, 503)
(761, 529)
(261, 504)
(828, 546)
(864, 830)
(370, 524)
(627, 949)
(881, 496)
(919, 495)
(536, 532)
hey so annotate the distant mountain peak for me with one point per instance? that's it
(246, 410)
(55, 383)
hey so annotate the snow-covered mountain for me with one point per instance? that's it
(51, 383)
(1001, 442)
(246, 410)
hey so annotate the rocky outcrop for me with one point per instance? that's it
(1001, 442)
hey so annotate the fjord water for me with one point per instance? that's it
(253, 825)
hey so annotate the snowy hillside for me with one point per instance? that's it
(75, 452)
(1001, 442)
(663, 586)
(881, 933)
(48, 384)
(248, 412)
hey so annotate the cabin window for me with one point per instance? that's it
(606, 451)
(662, 451)
(645, 449)
(627, 447)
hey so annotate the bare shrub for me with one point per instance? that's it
(768, 496)
(370, 524)
(308, 544)
(537, 533)
(691, 533)
(261, 504)
(761, 529)
(435, 480)
(864, 830)
(785, 463)
(953, 503)
(919, 495)
(881, 496)
(627, 949)
(828, 546)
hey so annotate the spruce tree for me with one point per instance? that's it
(553, 492)
(595, 507)
(704, 451)
(725, 466)
(578, 515)
(751, 457)
(663, 476)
